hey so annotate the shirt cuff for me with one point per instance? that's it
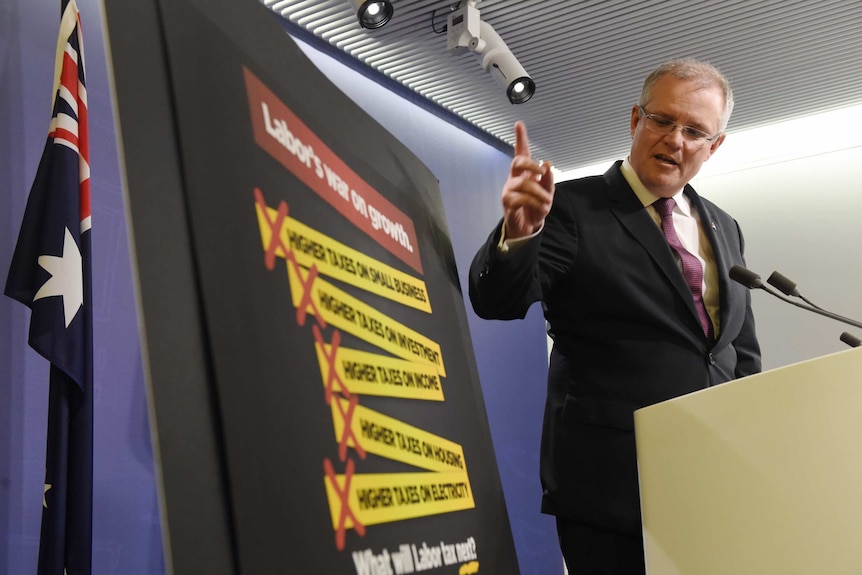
(505, 245)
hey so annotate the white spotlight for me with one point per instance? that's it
(467, 30)
(372, 13)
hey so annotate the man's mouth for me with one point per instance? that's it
(665, 159)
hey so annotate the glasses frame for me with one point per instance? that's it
(689, 134)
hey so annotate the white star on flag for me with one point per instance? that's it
(66, 278)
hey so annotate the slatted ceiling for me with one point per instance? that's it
(785, 58)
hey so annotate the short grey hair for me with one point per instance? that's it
(705, 74)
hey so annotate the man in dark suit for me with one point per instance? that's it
(637, 298)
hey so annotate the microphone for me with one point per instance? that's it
(751, 280)
(787, 287)
(851, 339)
(747, 278)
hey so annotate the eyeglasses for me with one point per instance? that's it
(665, 126)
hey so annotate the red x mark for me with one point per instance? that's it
(306, 284)
(348, 433)
(269, 258)
(275, 228)
(332, 376)
(343, 495)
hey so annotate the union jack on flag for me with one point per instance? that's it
(50, 274)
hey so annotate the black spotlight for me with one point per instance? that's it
(372, 14)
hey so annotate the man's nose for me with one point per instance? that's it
(675, 136)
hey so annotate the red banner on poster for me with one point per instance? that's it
(287, 139)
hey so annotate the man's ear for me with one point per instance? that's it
(714, 145)
(635, 118)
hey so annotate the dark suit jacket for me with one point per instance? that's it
(625, 332)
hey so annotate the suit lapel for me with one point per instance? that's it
(632, 215)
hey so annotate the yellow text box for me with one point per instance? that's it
(392, 438)
(336, 260)
(366, 373)
(375, 498)
(342, 310)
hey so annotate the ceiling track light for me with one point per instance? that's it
(372, 14)
(465, 29)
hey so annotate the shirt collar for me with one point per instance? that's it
(647, 197)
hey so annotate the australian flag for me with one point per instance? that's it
(50, 273)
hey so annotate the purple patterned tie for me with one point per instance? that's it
(692, 271)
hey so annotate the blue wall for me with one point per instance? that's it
(127, 537)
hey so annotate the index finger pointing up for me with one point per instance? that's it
(522, 144)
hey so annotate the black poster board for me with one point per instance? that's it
(330, 379)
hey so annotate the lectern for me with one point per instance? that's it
(758, 476)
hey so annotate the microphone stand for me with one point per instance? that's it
(817, 310)
(751, 280)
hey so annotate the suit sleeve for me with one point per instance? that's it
(504, 286)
